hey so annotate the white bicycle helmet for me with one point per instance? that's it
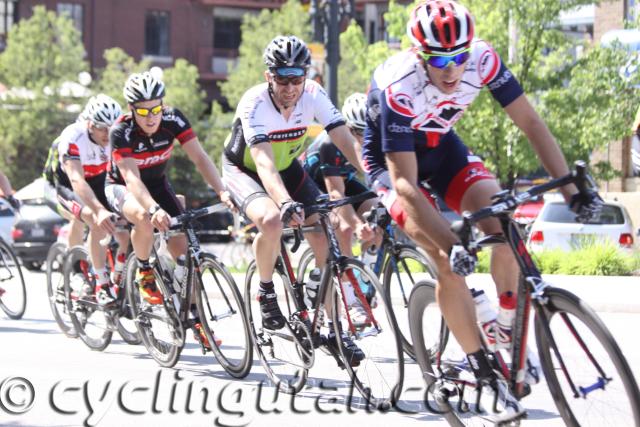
(287, 51)
(354, 111)
(102, 109)
(440, 26)
(142, 87)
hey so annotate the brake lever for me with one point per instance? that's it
(298, 238)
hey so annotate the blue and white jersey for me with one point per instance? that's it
(407, 112)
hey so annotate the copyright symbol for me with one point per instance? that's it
(16, 395)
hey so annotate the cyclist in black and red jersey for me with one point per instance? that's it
(137, 185)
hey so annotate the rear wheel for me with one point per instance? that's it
(158, 325)
(221, 310)
(55, 289)
(13, 293)
(88, 318)
(606, 392)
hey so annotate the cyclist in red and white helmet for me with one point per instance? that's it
(415, 99)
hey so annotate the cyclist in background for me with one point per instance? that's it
(137, 186)
(260, 164)
(416, 97)
(334, 175)
(82, 152)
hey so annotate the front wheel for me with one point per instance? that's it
(594, 386)
(55, 289)
(13, 293)
(221, 310)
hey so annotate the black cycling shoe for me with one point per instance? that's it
(272, 317)
(352, 352)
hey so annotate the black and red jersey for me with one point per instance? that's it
(151, 152)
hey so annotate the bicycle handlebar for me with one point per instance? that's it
(188, 217)
(507, 201)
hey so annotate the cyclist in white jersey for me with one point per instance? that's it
(83, 152)
(415, 99)
(260, 166)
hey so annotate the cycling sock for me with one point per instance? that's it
(266, 286)
(144, 264)
(479, 364)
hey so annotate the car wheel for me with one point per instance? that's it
(33, 265)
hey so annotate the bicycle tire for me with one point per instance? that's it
(12, 282)
(380, 375)
(422, 299)
(89, 321)
(287, 377)
(303, 265)
(165, 352)
(55, 289)
(127, 329)
(561, 303)
(222, 310)
(403, 267)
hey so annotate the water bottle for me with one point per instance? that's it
(506, 314)
(370, 256)
(486, 317)
(179, 272)
(311, 287)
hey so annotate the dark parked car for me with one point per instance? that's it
(35, 230)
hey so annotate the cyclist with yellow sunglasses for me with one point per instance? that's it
(137, 185)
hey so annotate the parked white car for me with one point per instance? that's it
(556, 228)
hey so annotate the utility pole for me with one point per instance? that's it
(327, 15)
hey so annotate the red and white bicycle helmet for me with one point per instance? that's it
(440, 26)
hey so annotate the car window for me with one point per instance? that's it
(559, 212)
(41, 212)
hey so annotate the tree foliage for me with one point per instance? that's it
(257, 31)
(42, 52)
(118, 67)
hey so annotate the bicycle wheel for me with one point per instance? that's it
(221, 310)
(429, 335)
(606, 392)
(55, 289)
(278, 351)
(13, 293)
(380, 375)
(88, 318)
(403, 267)
(125, 323)
(158, 325)
(304, 265)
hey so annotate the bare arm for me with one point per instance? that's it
(265, 165)
(73, 169)
(5, 186)
(403, 170)
(529, 121)
(345, 142)
(336, 189)
(131, 175)
(204, 164)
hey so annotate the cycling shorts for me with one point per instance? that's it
(161, 191)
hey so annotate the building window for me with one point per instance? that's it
(156, 33)
(226, 32)
(73, 12)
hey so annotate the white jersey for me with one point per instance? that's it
(74, 143)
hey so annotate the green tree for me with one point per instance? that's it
(257, 31)
(358, 60)
(118, 67)
(184, 93)
(584, 101)
(42, 52)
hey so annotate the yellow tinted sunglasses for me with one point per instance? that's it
(144, 112)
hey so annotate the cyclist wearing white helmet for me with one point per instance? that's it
(137, 183)
(334, 175)
(77, 167)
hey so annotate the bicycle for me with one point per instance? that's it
(288, 354)
(209, 286)
(576, 375)
(399, 265)
(13, 292)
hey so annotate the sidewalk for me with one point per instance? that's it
(620, 294)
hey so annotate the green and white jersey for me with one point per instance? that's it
(258, 120)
